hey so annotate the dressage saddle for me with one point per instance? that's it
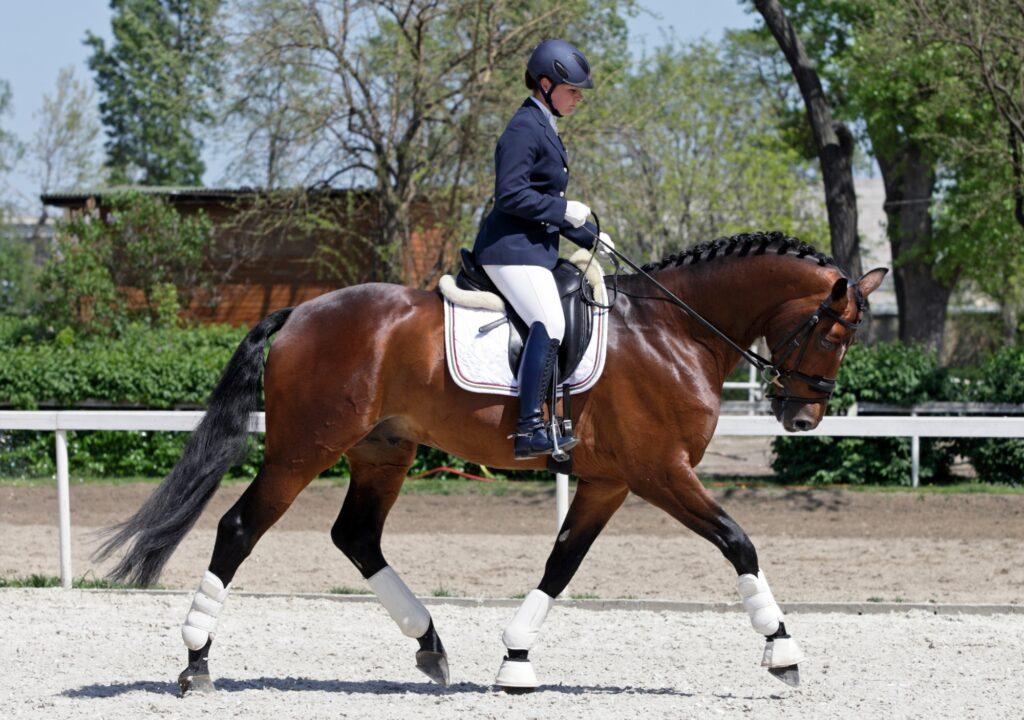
(579, 322)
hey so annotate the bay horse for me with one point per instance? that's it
(361, 372)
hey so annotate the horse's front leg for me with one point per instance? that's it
(682, 496)
(594, 503)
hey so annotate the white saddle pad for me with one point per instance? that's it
(478, 362)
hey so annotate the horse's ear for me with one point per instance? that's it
(870, 280)
(839, 290)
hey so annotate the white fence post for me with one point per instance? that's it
(915, 458)
(64, 508)
(561, 499)
(752, 390)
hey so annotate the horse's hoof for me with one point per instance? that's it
(789, 674)
(434, 665)
(516, 676)
(189, 683)
(517, 690)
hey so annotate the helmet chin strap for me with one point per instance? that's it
(546, 94)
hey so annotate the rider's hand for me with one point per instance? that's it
(576, 213)
(606, 242)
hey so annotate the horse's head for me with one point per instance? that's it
(808, 340)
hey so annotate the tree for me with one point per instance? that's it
(686, 147)
(833, 140)
(403, 98)
(140, 260)
(989, 35)
(876, 79)
(64, 146)
(154, 81)
(10, 148)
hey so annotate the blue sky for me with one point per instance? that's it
(38, 38)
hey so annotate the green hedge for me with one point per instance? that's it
(890, 373)
(177, 368)
(1000, 379)
(145, 368)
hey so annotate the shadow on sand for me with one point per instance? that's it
(374, 687)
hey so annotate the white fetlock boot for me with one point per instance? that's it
(516, 673)
(782, 654)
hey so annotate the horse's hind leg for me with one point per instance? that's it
(592, 506)
(684, 497)
(260, 506)
(379, 464)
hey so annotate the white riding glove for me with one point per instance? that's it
(576, 213)
(606, 243)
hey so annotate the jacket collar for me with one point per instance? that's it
(549, 131)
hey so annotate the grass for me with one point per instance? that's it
(583, 596)
(47, 581)
(346, 590)
(442, 592)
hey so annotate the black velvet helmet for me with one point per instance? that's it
(562, 64)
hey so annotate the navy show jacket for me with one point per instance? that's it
(531, 174)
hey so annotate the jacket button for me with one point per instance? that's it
(565, 169)
(561, 194)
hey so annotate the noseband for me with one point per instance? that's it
(774, 373)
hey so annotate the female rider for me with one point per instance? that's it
(518, 242)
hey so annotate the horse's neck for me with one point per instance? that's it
(741, 295)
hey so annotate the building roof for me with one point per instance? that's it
(177, 193)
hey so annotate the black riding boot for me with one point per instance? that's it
(536, 366)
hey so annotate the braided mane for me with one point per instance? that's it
(742, 245)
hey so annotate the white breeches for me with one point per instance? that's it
(532, 292)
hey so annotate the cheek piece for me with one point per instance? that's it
(403, 607)
(201, 621)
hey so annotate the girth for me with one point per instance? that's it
(569, 280)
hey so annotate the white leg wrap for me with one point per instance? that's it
(765, 614)
(522, 630)
(403, 607)
(201, 621)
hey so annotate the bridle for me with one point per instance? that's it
(773, 373)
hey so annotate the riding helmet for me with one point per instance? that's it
(562, 64)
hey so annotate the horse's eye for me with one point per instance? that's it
(827, 344)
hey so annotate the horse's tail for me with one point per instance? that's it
(216, 445)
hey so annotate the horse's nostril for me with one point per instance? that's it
(802, 425)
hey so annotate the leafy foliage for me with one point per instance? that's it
(1000, 379)
(154, 80)
(889, 373)
(686, 147)
(10, 148)
(18, 275)
(142, 260)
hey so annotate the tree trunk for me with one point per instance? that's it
(909, 177)
(832, 138)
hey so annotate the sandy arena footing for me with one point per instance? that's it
(76, 654)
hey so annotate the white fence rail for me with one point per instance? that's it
(60, 422)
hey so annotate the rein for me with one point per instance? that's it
(771, 373)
